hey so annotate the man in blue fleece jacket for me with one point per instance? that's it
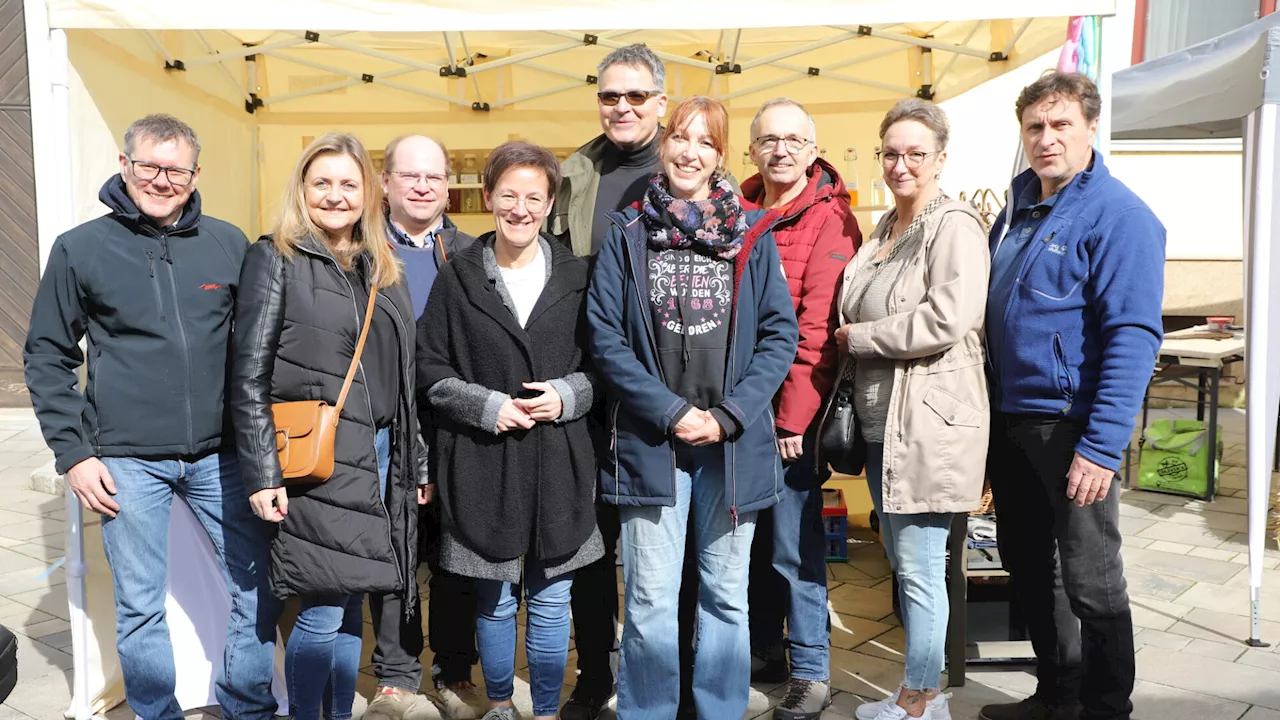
(1073, 328)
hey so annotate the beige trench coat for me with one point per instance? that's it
(936, 432)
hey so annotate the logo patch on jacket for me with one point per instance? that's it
(211, 286)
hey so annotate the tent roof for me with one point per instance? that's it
(408, 71)
(1218, 82)
(469, 15)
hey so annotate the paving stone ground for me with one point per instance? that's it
(1185, 560)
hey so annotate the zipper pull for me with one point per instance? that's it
(733, 513)
(151, 262)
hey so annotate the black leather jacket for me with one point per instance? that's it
(296, 326)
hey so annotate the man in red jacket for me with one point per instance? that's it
(816, 235)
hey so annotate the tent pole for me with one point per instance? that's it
(1259, 148)
(64, 200)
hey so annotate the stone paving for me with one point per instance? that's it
(1185, 561)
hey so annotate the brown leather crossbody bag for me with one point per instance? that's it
(306, 429)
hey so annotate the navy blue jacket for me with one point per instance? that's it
(1084, 319)
(640, 466)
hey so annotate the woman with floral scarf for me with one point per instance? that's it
(692, 328)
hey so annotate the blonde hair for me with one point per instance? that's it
(369, 234)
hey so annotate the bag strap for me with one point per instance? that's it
(355, 359)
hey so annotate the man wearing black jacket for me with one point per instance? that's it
(152, 285)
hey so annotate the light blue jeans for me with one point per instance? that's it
(546, 636)
(917, 549)
(137, 547)
(653, 545)
(322, 659)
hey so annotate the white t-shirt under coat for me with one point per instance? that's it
(525, 284)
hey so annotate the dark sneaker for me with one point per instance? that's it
(805, 700)
(769, 668)
(1033, 708)
(583, 704)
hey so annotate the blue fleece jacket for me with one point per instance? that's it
(1083, 320)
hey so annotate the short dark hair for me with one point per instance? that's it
(1075, 86)
(516, 154)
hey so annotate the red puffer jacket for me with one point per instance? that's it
(816, 238)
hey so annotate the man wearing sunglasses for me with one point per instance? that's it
(152, 284)
(808, 211)
(612, 171)
(607, 174)
(415, 182)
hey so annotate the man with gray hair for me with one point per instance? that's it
(607, 174)
(152, 284)
(808, 211)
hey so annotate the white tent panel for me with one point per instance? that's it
(467, 15)
(1225, 87)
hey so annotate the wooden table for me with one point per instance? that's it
(1184, 354)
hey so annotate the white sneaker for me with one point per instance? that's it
(938, 706)
(893, 712)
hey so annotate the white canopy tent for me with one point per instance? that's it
(1223, 88)
(426, 62)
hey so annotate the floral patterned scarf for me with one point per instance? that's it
(718, 223)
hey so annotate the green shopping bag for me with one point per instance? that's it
(1173, 457)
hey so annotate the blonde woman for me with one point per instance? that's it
(300, 308)
(912, 307)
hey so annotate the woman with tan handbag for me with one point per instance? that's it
(912, 307)
(324, 334)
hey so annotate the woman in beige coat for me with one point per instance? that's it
(911, 307)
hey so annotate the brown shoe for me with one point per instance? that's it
(397, 704)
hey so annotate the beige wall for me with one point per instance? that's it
(282, 143)
(117, 82)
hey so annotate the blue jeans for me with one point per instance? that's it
(546, 636)
(653, 550)
(789, 574)
(136, 542)
(323, 656)
(917, 549)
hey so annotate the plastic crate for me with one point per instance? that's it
(837, 548)
(835, 525)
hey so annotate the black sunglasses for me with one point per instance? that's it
(635, 98)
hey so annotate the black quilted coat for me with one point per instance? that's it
(296, 326)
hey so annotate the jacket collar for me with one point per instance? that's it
(479, 280)
(114, 195)
(824, 185)
(1083, 185)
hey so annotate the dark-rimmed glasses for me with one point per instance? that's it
(179, 176)
(913, 159)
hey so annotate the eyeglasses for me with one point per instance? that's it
(149, 171)
(635, 98)
(793, 144)
(912, 159)
(411, 179)
(533, 205)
